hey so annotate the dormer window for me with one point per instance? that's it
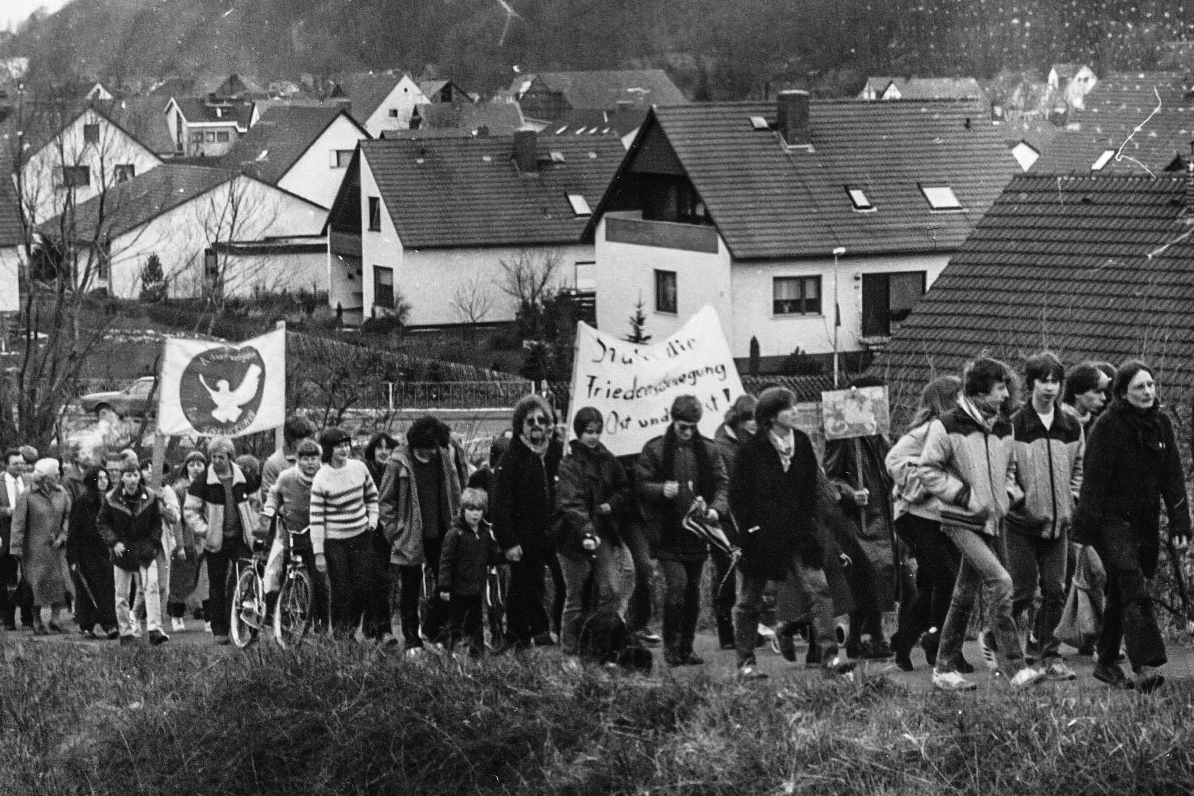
(940, 197)
(580, 205)
(1103, 160)
(557, 156)
(859, 199)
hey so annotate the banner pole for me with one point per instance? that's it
(279, 438)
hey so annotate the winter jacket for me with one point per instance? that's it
(968, 463)
(464, 558)
(401, 517)
(140, 527)
(588, 478)
(776, 510)
(1132, 463)
(664, 515)
(204, 508)
(908, 493)
(524, 495)
(1048, 469)
(728, 446)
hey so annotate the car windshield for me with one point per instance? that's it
(140, 389)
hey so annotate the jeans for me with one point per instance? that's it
(681, 606)
(217, 609)
(1032, 561)
(147, 577)
(1129, 615)
(352, 573)
(163, 562)
(937, 563)
(526, 616)
(638, 613)
(434, 623)
(980, 569)
(814, 589)
(611, 570)
(464, 622)
(377, 616)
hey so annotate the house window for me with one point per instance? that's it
(941, 197)
(123, 172)
(796, 295)
(76, 176)
(859, 199)
(197, 138)
(580, 205)
(888, 299)
(375, 214)
(665, 291)
(339, 158)
(91, 133)
(675, 200)
(210, 136)
(383, 286)
(222, 136)
(393, 113)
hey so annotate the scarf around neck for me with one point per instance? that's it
(539, 450)
(785, 446)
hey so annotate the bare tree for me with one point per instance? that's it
(472, 301)
(528, 278)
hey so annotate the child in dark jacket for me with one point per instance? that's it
(469, 548)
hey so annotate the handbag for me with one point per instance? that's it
(1082, 616)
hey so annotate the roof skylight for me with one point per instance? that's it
(1103, 160)
(941, 197)
(759, 123)
(580, 205)
(859, 199)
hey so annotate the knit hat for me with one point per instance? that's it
(743, 409)
(46, 467)
(687, 409)
(772, 401)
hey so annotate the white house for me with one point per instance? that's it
(431, 220)
(1069, 84)
(206, 226)
(75, 161)
(301, 149)
(12, 241)
(382, 101)
(773, 213)
(207, 126)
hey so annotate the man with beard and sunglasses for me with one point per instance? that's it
(521, 510)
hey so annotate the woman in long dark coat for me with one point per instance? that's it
(1132, 464)
(39, 530)
(89, 560)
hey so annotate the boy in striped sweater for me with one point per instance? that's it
(343, 509)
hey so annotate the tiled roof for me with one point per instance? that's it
(145, 119)
(924, 88)
(1090, 267)
(11, 233)
(585, 120)
(196, 110)
(141, 199)
(604, 88)
(449, 192)
(1160, 103)
(771, 201)
(502, 118)
(367, 91)
(279, 139)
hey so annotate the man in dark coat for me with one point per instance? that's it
(675, 471)
(739, 426)
(521, 508)
(774, 498)
(12, 596)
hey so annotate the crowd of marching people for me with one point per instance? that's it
(986, 500)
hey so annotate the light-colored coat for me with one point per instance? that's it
(38, 522)
(204, 508)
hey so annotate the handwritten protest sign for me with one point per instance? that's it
(633, 386)
(857, 412)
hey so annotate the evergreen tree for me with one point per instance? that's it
(153, 280)
(638, 324)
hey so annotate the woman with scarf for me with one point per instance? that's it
(184, 574)
(1132, 464)
(39, 533)
(90, 565)
(675, 471)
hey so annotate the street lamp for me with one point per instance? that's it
(837, 312)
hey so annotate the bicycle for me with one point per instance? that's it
(248, 600)
(293, 617)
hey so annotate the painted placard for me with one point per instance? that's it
(857, 412)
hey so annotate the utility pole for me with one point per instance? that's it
(837, 313)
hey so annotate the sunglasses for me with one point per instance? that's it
(686, 426)
(537, 420)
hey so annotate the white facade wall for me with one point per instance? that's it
(314, 176)
(402, 101)
(180, 236)
(247, 275)
(41, 187)
(10, 284)
(626, 273)
(381, 247)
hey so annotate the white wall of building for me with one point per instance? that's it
(41, 187)
(626, 273)
(395, 111)
(10, 285)
(314, 175)
(180, 236)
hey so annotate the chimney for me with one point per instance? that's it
(526, 155)
(792, 117)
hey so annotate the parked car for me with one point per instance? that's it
(132, 400)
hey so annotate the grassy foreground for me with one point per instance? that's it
(330, 720)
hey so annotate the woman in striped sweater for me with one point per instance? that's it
(343, 510)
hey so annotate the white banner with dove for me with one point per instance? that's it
(222, 389)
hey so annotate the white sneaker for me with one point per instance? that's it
(951, 681)
(986, 643)
(177, 625)
(207, 627)
(1027, 678)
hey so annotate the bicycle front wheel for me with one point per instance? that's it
(248, 608)
(292, 617)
